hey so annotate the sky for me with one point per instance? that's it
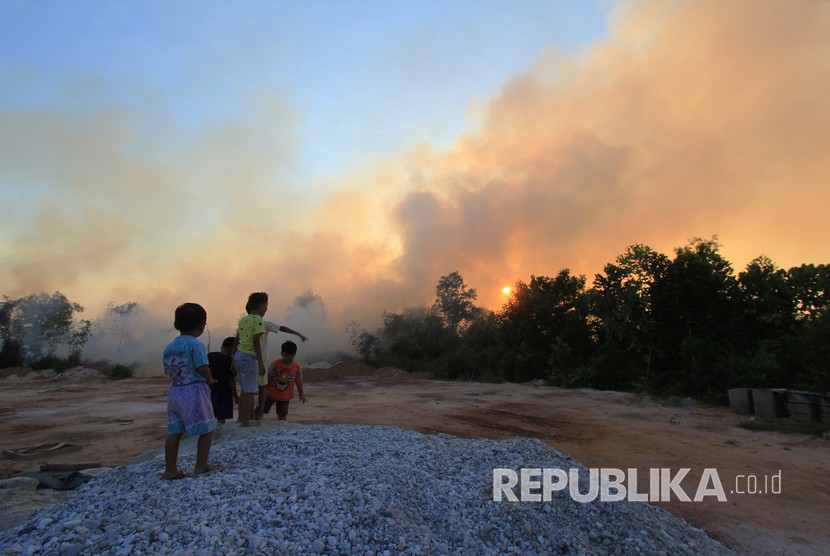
(344, 155)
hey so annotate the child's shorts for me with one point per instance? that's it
(282, 407)
(222, 405)
(189, 410)
(247, 369)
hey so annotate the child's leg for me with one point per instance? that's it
(246, 366)
(223, 408)
(202, 452)
(282, 411)
(261, 406)
(171, 455)
(246, 406)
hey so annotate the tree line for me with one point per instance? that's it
(43, 331)
(685, 325)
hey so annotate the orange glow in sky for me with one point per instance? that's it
(365, 184)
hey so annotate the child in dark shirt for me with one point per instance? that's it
(223, 393)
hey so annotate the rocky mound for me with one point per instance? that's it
(347, 489)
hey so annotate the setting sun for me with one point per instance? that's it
(506, 290)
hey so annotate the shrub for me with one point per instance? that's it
(120, 372)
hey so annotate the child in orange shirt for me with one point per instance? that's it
(282, 375)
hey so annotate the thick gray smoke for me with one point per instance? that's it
(693, 118)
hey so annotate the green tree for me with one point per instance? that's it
(807, 350)
(416, 335)
(80, 335)
(623, 322)
(454, 301)
(11, 353)
(693, 307)
(811, 288)
(118, 321)
(767, 298)
(765, 311)
(477, 354)
(366, 344)
(807, 353)
(545, 329)
(43, 323)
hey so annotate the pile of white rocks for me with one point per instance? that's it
(343, 489)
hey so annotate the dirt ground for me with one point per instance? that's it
(112, 422)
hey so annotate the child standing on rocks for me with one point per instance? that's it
(223, 391)
(189, 410)
(248, 359)
(283, 373)
(262, 380)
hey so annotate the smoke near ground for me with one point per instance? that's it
(691, 119)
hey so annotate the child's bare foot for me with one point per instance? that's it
(179, 474)
(209, 469)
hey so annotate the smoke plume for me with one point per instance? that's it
(693, 118)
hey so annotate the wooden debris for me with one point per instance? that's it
(40, 449)
(67, 467)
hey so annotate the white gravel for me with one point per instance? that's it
(343, 489)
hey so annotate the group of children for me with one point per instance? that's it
(203, 385)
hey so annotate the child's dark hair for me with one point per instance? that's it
(288, 347)
(255, 300)
(189, 316)
(228, 342)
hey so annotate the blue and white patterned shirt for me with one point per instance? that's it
(182, 357)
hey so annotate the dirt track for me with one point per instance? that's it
(113, 422)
